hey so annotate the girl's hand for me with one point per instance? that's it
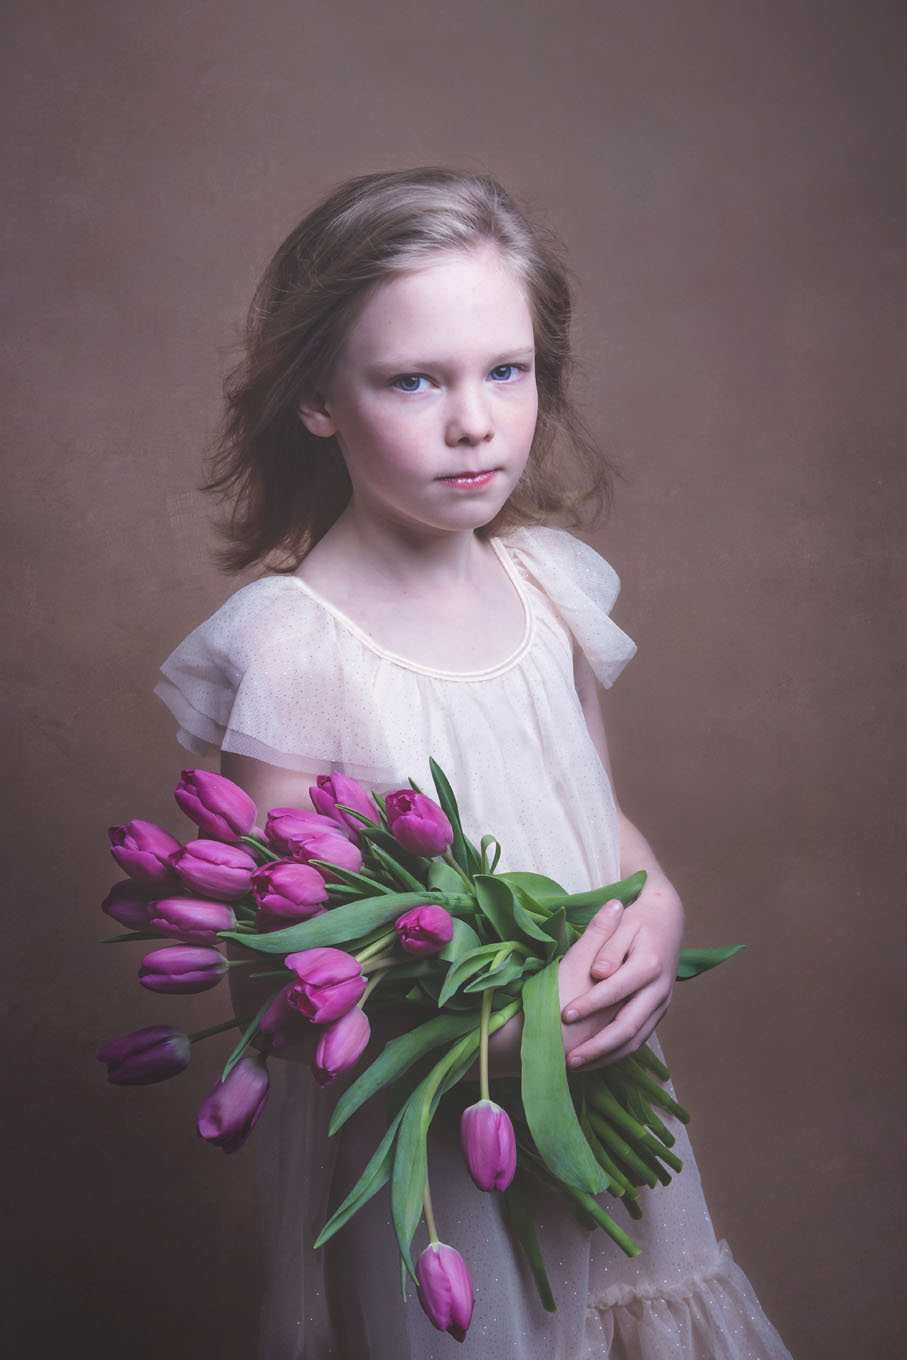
(635, 952)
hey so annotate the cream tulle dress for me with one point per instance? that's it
(279, 674)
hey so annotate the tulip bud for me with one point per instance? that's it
(213, 868)
(282, 1026)
(287, 892)
(332, 789)
(341, 1045)
(330, 982)
(190, 919)
(218, 807)
(148, 1055)
(445, 1289)
(182, 968)
(232, 1107)
(333, 848)
(143, 850)
(424, 930)
(417, 823)
(127, 902)
(489, 1145)
(284, 823)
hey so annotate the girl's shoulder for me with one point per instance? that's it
(582, 588)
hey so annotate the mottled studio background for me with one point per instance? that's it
(729, 178)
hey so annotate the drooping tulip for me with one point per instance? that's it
(424, 930)
(445, 1289)
(179, 969)
(143, 851)
(341, 1045)
(333, 848)
(233, 1107)
(332, 789)
(329, 982)
(218, 807)
(215, 869)
(417, 823)
(146, 1056)
(282, 1026)
(287, 892)
(190, 919)
(127, 902)
(285, 823)
(489, 1145)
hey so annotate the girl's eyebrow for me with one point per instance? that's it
(409, 364)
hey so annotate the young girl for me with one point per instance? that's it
(397, 434)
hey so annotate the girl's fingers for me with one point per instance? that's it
(625, 1034)
(599, 932)
(634, 975)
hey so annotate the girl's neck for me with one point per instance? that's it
(411, 561)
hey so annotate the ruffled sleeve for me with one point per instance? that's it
(582, 587)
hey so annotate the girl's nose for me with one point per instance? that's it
(469, 419)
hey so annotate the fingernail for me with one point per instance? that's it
(570, 1016)
(576, 1062)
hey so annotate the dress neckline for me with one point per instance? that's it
(488, 673)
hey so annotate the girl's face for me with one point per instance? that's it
(433, 398)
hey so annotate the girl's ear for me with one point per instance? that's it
(316, 418)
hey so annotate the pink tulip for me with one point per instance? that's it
(143, 850)
(287, 892)
(127, 902)
(215, 869)
(489, 1145)
(285, 823)
(445, 1289)
(233, 1107)
(218, 807)
(190, 919)
(332, 789)
(282, 1026)
(330, 982)
(182, 968)
(424, 930)
(417, 823)
(334, 848)
(148, 1055)
(341, 1045)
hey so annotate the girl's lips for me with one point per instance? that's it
(469, 481)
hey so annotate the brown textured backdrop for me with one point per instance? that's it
(729, 178)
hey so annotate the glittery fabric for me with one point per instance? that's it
(277, 673)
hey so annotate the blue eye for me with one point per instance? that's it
(409, 382)
(505, 372)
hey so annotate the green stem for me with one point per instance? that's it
(235, 1023)
(377, 946)
(429, 1215)
(449, 859)
(485, 1016)
(373, 981)
(260, 847)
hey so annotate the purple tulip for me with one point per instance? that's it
(127, 902)
(333, 848)
(282, 1026)
(417, 823)
(232, 1107)
(218, 807)
(287, 892)
(143, 850)
(489, 1145)
(181, 968)
(341, 1045)
(285, 823)
(330, 982)
(148, 1055)
(215, 869)
(332, 789)
(424, 930)
(445, 1289)
(191, 919)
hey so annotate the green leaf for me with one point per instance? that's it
(523, 906)
(537, 885)
(248, 1035)
(546, 1093)
(363, 883)
(443, 878)
(342, 924)
(488, 841)
(581, 907)
(496, 904)
(692, 962)
(508, 971)
(397, 1056)
(464, 969)
(517, 1205)
(464, 939)
(375, 1175)
(407, 881)
(466, 855)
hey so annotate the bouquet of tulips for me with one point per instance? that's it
(371, 904)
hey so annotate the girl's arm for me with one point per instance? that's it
(637, 962)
